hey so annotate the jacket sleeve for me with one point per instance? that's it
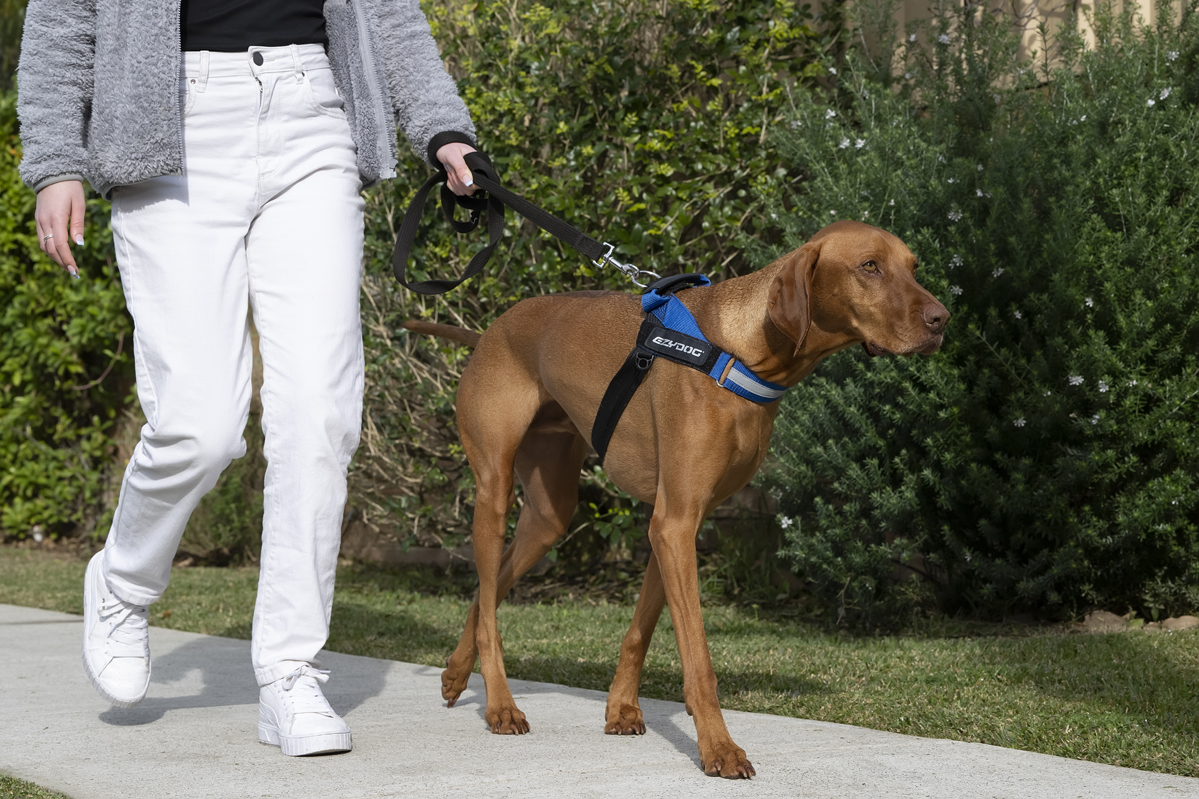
(54, 89)
(425, 97)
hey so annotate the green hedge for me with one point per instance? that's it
(642, 123)
(1047, 457)
(65, 365)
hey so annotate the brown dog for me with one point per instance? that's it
(528, 397)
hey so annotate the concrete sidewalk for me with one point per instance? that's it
(195, 736)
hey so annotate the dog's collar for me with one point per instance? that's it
(737, 378)
(670, 331)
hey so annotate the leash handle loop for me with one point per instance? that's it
(487, 178)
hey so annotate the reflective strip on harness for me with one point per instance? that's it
(676, 337)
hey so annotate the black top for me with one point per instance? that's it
(233, 26)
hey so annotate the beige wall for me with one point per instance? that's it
(1056, 12)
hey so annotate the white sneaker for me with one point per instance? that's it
(116, 641)
(294, 715)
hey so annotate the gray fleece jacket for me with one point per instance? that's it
(98, 88)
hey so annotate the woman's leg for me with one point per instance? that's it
(304, 252)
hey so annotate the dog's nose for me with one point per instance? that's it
(935, 317)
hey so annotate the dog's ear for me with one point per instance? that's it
(790, 303)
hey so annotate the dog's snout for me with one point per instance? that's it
(935, 317)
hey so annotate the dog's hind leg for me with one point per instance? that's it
(547, 466)
(624, 711)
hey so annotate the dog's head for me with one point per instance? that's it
(857, 281)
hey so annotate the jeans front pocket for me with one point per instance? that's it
(322, 93)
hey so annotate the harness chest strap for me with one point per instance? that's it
(670, 331)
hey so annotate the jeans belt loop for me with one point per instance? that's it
(297, 63)
(202, 78)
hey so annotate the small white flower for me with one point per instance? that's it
(1017, 314)
(829, 114)
(1172, 55)
(891, 203)
(1048, 393)
(955, 290)
(956, 260)
(912, 38)
(940, 159)
(967, 557)
(832, 213)
(1082, 118)
(785, 522)
(955, 215)
(951, 180)
(1075, 380)
(1090, 303)
(980, 167)
(773, 215)
(1173, 502)
(1095, 419)
(1102, 387)
(865, 214)
(832, 70)
(979, 192)
(796, 124)
(907, 76)
(1132, 382)
(1165, 93)
(859, 144)
(997, 271)
(943, 38)
(1019, 422)
(844, 143)
(1152, 102)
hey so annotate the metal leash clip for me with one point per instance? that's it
(629, 270)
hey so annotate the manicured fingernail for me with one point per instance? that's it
(469, 181)
(79, 239)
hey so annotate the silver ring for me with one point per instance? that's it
(47, 237)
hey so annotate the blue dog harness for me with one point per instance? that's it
(670, 331)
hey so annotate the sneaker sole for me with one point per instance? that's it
(89, 612)
(297, 746)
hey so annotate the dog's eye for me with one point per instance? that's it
(870, 266)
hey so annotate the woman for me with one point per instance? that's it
(233, 138)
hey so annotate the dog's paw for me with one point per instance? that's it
(626, 720)
(727, 760)
(507, 721)
(453, 683)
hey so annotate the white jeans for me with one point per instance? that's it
(267, 212)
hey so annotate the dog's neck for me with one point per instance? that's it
(733, 314)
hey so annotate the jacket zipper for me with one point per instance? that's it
(386, 146)
(178, 72)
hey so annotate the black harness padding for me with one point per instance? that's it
(653, 341)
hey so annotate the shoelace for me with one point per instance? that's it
(127, 628)
(302, 688)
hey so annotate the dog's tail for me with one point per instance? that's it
(460, 334)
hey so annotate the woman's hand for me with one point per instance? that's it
(59, 218)
(450, 156)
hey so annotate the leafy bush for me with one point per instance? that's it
(643, 124)
(1046, 457)
(65, 365)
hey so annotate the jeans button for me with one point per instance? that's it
(258, 59)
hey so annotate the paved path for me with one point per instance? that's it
(195, 736)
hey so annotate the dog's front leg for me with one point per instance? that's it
(673, 540)
(624, 711)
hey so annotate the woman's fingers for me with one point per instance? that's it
(458, 175)
(59, 218)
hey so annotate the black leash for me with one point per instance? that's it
(487, 177)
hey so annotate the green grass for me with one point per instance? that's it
(13, 788)
(1127, 698)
